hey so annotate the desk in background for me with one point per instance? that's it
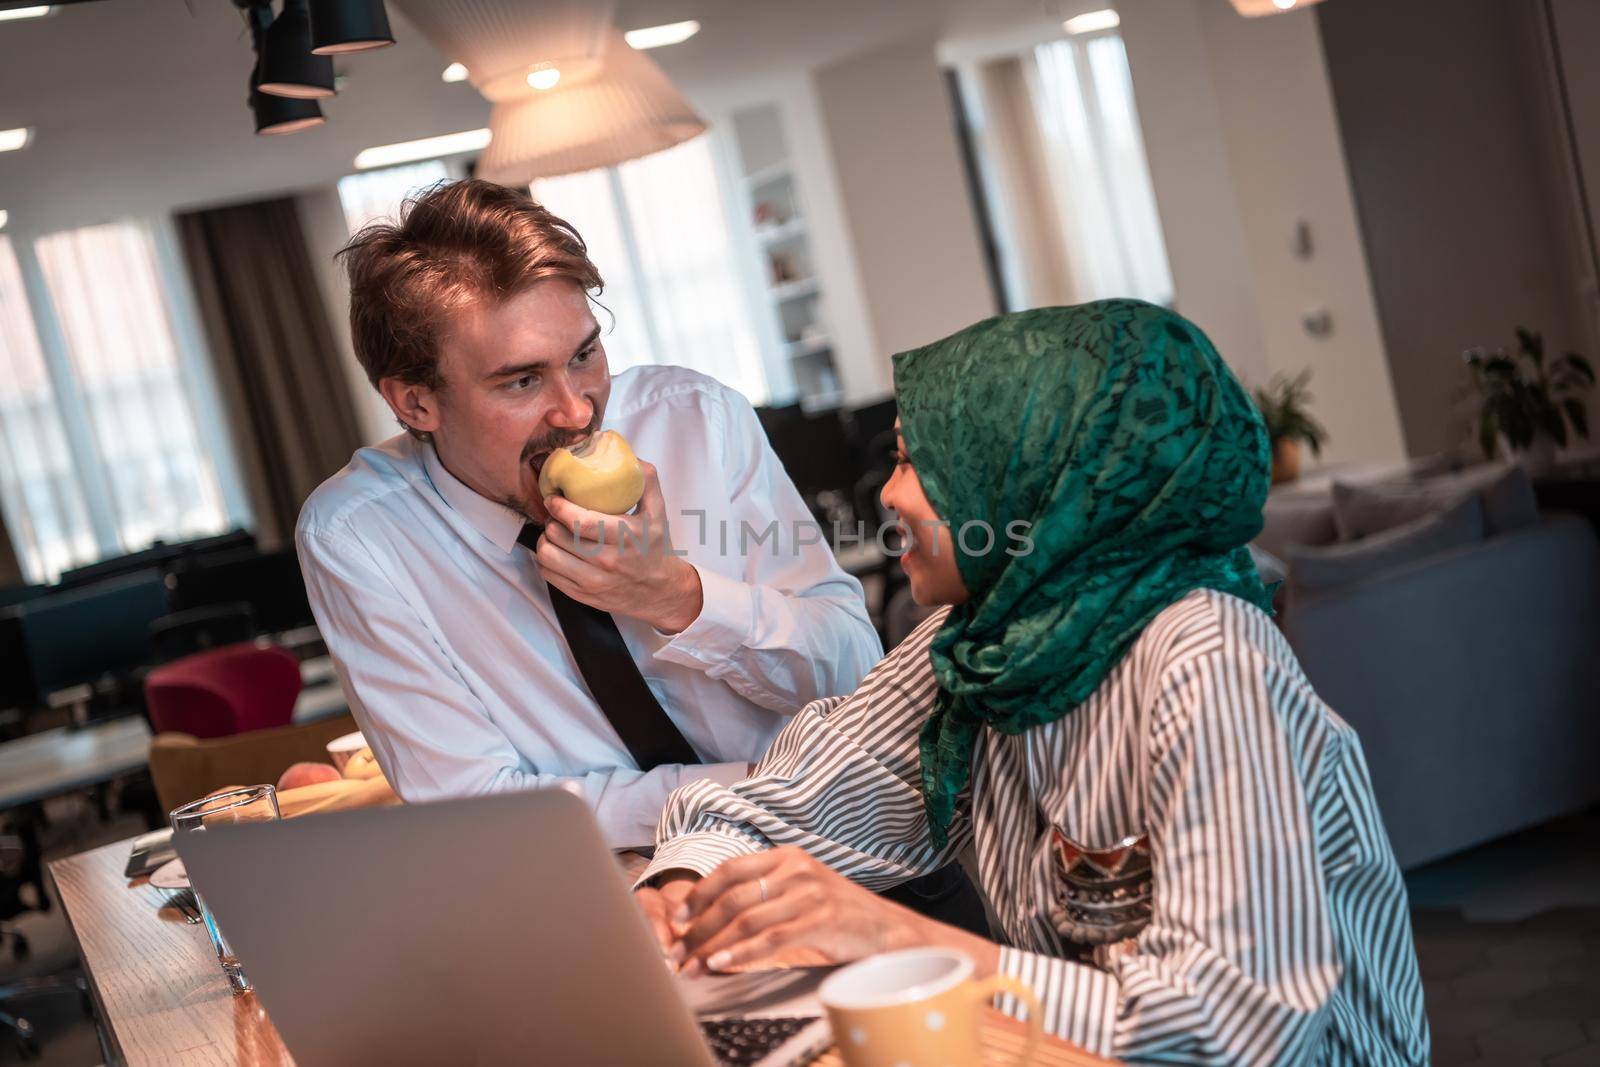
(53, 762)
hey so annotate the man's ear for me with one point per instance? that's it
(415, 405)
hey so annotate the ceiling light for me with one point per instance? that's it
(11, 140)
(449, 144)
(1093, 22)
(38, 11)
(661, 36)
(544, 79)
(281, 114)
(1257, 8)
(627, 110)
(455, 72)
(501, 41)
(288, 68)
(339, 26)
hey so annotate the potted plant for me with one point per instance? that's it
(1526, 402)
(1283, 402)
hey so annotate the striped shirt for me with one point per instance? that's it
(1189, 868)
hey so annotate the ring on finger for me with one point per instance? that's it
(761, 883)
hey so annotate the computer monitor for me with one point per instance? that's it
(160, 557)
(815, 450)
(270, 582)
(16, 674)
(77, 637)
(12, 595)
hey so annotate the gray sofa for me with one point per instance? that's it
(1473, 679)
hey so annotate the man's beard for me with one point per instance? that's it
(547, 443)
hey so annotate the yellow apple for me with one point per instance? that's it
(601, 474)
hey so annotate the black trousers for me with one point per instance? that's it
(947, 895)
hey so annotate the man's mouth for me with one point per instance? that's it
(537, 461)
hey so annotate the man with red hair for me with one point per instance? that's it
(484, 638)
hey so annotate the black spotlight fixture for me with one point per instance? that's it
(282, 114)
(339, 26)
(287, 67)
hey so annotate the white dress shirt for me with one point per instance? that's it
(455, 666)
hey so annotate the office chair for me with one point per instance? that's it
(15, 858)
(224, 691)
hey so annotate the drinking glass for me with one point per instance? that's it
(256, 803)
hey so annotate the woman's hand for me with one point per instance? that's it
(659, 904)
(782, 908)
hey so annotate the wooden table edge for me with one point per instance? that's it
(110, 1044)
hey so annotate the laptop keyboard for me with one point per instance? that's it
(742, 1041)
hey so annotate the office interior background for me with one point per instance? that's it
(1348, 196)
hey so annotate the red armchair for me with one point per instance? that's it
(224, 691)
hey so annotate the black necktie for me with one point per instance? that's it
(614, 679)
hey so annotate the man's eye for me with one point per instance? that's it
(584, 356)
(517, 385)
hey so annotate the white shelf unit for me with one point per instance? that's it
(777, 230)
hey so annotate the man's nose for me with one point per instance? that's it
(571, 410)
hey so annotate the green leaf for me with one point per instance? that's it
(1579, 365)
(1578, 415)
(1500, 366)
(1532, 343)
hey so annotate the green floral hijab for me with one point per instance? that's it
(1140, 464)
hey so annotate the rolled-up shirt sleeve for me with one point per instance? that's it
(431, 735)
(842, 780)
(792, 627)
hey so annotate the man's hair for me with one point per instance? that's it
(455, 244)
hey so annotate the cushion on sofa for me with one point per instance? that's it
(1314, 569)
(1296, 520)
(1505, 492)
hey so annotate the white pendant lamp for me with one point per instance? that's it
(502, 43)
(624, 110)
(1258, 8)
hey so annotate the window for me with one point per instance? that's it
(657, 229)
(45, 513)
(378, 194)
(1095, 154)
(1067, 187)
(101, 450)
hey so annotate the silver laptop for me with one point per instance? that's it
(485, 931)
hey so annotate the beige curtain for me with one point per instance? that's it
(276, 361)
(10, 568)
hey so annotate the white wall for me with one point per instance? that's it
(1243, 144)
(1441, 114)
(888, 123)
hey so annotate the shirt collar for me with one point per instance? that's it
(491, 518)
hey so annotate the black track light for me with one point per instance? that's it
(339, 26)
(281, 114)
(287, 66)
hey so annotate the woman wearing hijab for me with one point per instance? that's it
(1178, 838)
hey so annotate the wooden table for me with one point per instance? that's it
(162, 1000)
(53, 762)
